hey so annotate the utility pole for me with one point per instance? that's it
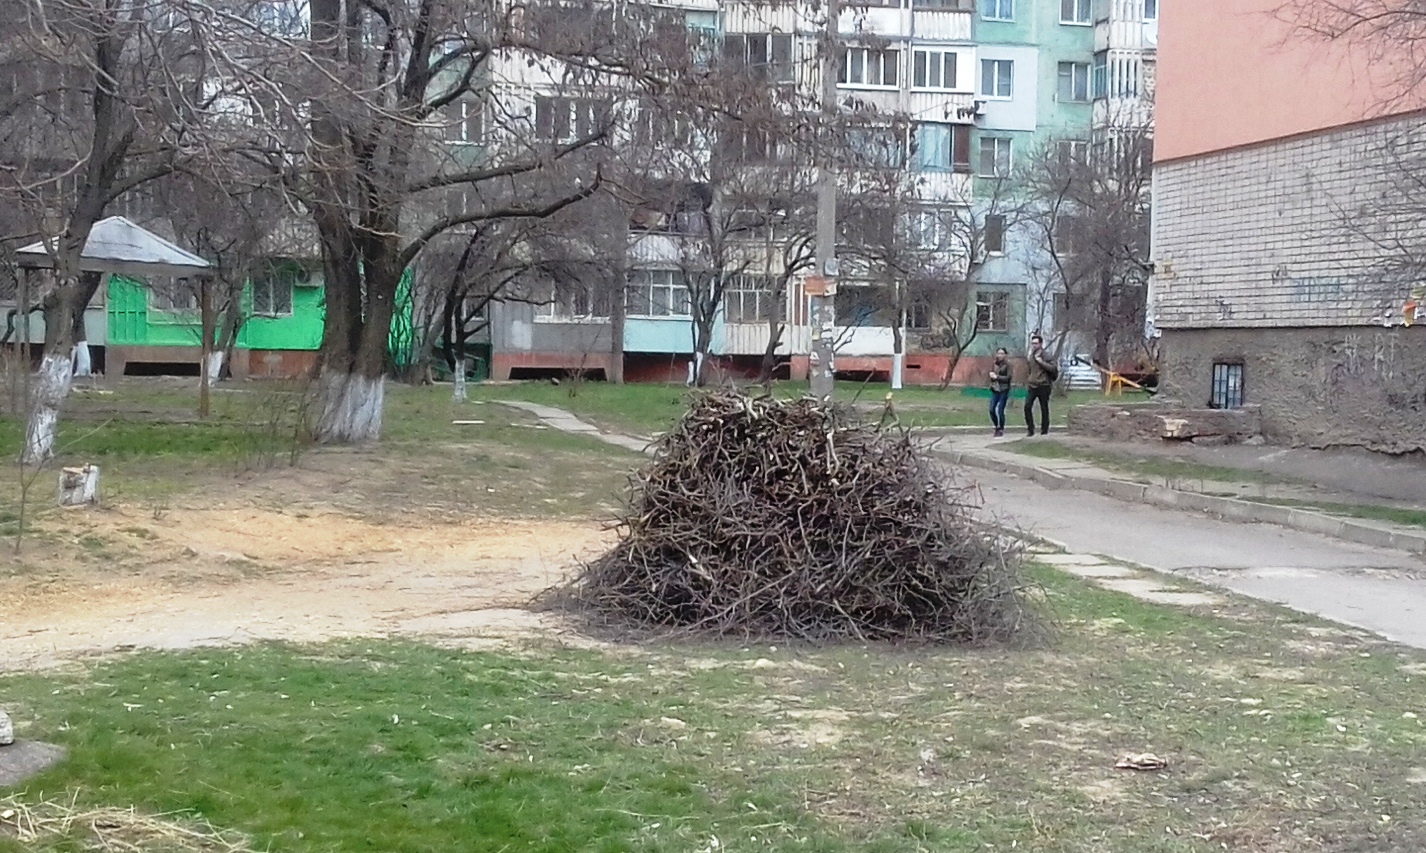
(822, 290)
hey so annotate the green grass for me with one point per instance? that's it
(1137, 466)
(650, 408)
(1390, 514)
(1281, 734)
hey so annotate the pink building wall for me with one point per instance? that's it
(1237, 72)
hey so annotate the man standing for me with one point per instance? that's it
(1042, 376)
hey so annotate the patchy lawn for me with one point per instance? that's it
(1282, 734)
(1137, 465)
(649, 408)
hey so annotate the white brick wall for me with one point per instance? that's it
(1312, 231)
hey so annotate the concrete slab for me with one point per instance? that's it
(26, 758)
(1071, 560)
(1182, 599)
(1135, 586)
(1097, 572)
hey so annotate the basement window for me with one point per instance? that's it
(1227, 386)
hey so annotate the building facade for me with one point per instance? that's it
(977, 88)
(1287, 235)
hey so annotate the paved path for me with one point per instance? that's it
(1378, 589)
(561, 420)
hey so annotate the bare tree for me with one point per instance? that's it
(1090, 213)
(108, 96)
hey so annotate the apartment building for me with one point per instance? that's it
(1287, 229)
(977, 89)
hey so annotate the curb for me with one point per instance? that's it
(1229, 508)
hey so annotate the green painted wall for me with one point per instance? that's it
(133, 322)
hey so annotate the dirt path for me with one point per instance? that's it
(228, 576)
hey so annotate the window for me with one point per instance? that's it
(173, 294)
(862, 66)
(748, 299)
(1069, 235)
(943, 147)
(995, 234)
(997, 78)
(1074, 82)
(919, 316)
(1151, 10)
(933, 69)
(1227, 386)
(568, 119)
(1069, 152)
(748, 143)
(571, 300)
(992, 311)
(1075, 12)
(933, 227)
(876, 147)
(658, 293)
(994, 157)
(272, 290)
(1099, 76)
(997, 10)
(765, 56)
(462, 121)
(960, 148)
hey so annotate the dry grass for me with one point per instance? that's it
(49, 822)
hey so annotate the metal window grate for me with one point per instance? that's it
(1227, 386)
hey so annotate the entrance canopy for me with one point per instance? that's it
(117, 245)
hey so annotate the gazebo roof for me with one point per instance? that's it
(117, 245)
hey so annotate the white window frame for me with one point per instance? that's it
(999, 8)
(864, 57)
(743, 289)
(1079, 82)
(995, 223)
(1008, 157)
(986, 301)
(161, 296)
(275, 276)
(1081, 13)
(933, 227)
(646, 282)
(564, 306)
(925, 61)
(991, 78)
(462, 123)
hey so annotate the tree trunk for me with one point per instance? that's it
(50, 388)
(349, 406)
(64, 316)
(1104, 325)
(617, 314)
(898, 352)
(458, 395)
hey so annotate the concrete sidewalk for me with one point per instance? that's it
(566, 422)
(979, 450)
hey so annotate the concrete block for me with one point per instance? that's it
(1314, 522)
(1414, 542)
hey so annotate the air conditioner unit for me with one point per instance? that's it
(978, 108)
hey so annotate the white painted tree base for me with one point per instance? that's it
(458, 395)
(349, 408)
(898, 370)
(52, 385)
(215, 367)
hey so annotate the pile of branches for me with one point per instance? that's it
(766, 518)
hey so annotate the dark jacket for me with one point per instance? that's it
(1002, 379)
(1040, 364)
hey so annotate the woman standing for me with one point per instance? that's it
(999, 390)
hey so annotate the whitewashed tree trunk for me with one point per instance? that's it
(83, 365)
(349, 408)
(459, 395)
(51, 387)
(215, 366)
(898, 370)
